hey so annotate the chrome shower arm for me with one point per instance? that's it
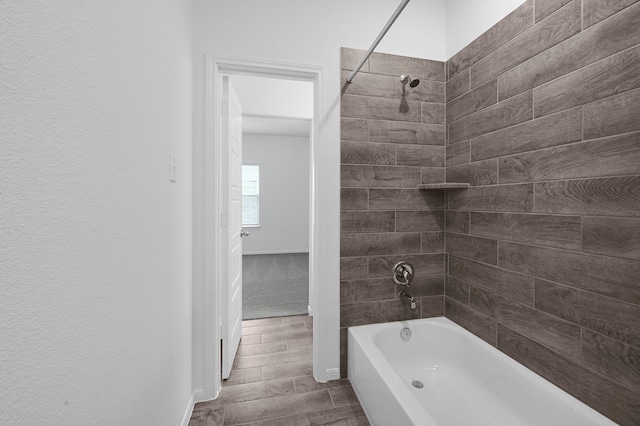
(378, 39)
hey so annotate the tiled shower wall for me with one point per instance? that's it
(393, 138)
(543, 116)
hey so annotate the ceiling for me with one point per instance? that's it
(276, 126)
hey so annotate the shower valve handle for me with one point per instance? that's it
(403, 274)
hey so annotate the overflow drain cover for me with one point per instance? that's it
(417, 384)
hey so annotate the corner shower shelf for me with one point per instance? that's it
(451, 185)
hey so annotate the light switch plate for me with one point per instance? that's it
(173, 164)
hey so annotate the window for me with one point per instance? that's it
(250, 195)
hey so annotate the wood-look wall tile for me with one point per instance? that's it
(419, 221)
(476, 248)
(611, 236)
(420, 155)
(458, 153)
(367, 84)
(558, 27)
(544, 230)
(406, 133)
(377, 244)
(432, 242)
(432, 174)
(504, 198)
(395, 65)
(426, 91)
(379, 176)
(612, 359)
(478, 173)
(433, 113)
(457, 290)
(552, 130)
(475, 100)
(457, 222)
(480, 325)
(613, 115)
(599, 392)
(515, 286)
(428, 285)
(354, 129)
(352, 268)
(367, 153)
(405, 199)
(504, 31)
(459, 85)
(613, 156)
(367, 221)
(354, 198)
(544, 328)
(613, 318)
(610, 76)
(544, 8)
(380, 108)
(512, 111)
(595, 43)
(344, 352)
(595, 11)
(423, 264)
(618, 196)
(608, 276)
(353, 291)
(376, 312)
(349, 59)
(431, 306)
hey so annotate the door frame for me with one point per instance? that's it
(323, 264)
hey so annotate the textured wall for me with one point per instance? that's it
(393, 139)
(543, 115)
(95, 242)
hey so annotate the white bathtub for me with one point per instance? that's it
(466, 380)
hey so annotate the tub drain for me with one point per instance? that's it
(417, 384)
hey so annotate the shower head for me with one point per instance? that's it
(413, 82)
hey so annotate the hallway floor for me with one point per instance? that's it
(271, 383)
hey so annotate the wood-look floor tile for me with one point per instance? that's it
(247, 375)
(274, 407)
(343, 395)
(252, 391)
(350, 415)
(292, 369)
(261, 348)
(261, 322)
(207, 416)
(301, 333)
(271, 359)
(308, 384)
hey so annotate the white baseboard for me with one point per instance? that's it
(251, 253)
(189, 411)
(333, 373)
(310, 310)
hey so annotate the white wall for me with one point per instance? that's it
(274, 97)
(284, 193)
(95, 242)
(467, 19)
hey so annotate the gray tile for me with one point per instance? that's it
(395, 65)
(367, 153)
(354, 198)
(375, 312)
(475, 100)
(367, 221)
(379, 244)
(613, 115)
(431, 306)
(458, 153)
(423, 264)
(405, 199)
(350, 415)
(349, 59)
(475, 248)
(291, 369)
(563, 24)
(597, 391)
(544, 230)
(608, 276)
(545, 8)
(426, 91)
(379, 176)
(354, 129)
(619, 237)
(512, 111)
(552, 130)
(605, 196)
(428, 285)
(555, 333)
(595, 43)
(371, 107)
(308, 383)
(505, 198)
(353, 291)
(432, 113)
(262, 348)
(419, 221)
(432, 174)
(208, 416)
(274, 407)
(505, 30)
(252, 391)
(367, 84)
(510, 284)
(478, 324)
(420, 155)
(457, 222)
(595, 11)
(249, 375)
(343, 395)
(613, 318)
(457, 290)
(353, 267)
(477, 173)
(275, 358)
(406, 133)
(274, 328)
(604, 78)
(459, 85)
(262, 321)
(432, 242)
(301, 333)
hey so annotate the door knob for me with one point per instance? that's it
(244, 233)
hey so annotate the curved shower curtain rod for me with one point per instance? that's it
(378, 39)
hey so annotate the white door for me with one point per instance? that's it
(232, 205)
